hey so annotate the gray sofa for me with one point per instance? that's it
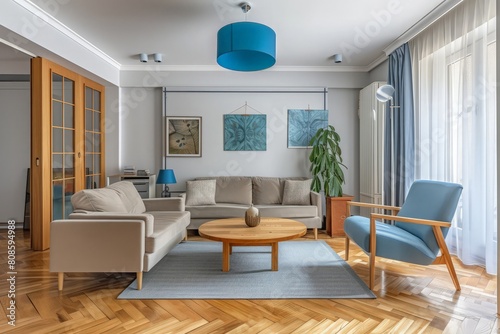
(113, 229)
(209, 198)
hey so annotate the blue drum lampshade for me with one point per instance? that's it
(246, 46)
(166, 176)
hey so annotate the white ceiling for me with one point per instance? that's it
(308, 33)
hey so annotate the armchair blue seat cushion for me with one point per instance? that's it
(432, 200)
(414, 243)
(392, 242)
(427, 212)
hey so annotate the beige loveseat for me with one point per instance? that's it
(113, 229)
(209, 198)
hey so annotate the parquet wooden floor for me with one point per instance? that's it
(410, 299)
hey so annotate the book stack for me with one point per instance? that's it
(129, 170)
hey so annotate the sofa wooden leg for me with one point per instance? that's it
(139, 280)
(60, 281)
(315, 233)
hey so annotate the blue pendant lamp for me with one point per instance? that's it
(246, 46)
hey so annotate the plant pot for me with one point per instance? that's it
(336, 213)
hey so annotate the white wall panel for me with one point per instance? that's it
(14, 148)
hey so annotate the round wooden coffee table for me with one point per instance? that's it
(234, 232)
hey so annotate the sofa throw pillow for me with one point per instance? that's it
(129, 196)
(201, 192)
(232, 189)
(297, 192)
(266, 190)
(101, 200)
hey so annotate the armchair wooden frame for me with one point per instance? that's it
(444, 258)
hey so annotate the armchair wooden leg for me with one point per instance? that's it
(315, 233)
(446, 257)
(372, 271)
(346, 248)
(139, 280)
(60, 281)
(373, 251)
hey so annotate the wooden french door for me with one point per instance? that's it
(67, 143)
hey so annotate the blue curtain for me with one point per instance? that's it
(399, 130)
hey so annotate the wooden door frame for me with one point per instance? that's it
(41, 143)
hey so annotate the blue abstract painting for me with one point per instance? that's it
(245, 132)
(303, 124)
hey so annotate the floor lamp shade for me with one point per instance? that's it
(246, 46)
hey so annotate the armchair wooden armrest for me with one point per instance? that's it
(394, 209)
(411, 220)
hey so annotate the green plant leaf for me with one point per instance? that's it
(326, 162)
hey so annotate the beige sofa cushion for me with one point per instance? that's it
(102, 200)
(200, 192)
(232, 189)
(220, 210)
(266, 190)
(167, 225)
(297, 192)
(129, 196)
(288, 211)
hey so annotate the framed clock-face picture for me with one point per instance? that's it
(183, 136)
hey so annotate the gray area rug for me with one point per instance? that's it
(307, 269)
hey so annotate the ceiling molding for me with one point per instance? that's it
(376, 62)
(63, 29)
(216, 68)
(17, 47)
(443, 8)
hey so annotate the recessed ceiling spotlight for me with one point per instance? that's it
(337, 58)
(157, 57)
(143, 57)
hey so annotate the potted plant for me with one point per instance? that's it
(326, 168)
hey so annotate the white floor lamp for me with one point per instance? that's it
(386, 93)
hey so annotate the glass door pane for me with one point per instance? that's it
(93, 135)
(63, 145)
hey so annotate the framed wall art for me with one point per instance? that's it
(183, 136)
(245, 132)
(303, 124)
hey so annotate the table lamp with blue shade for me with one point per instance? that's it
(166, 176)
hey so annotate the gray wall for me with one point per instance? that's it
(380, 72)
(112, 130)
(344, 106)
(14, 148)
(141, 132)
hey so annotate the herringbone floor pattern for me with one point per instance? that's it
(410, 299)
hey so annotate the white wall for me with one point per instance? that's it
(277, 160)
(141, 132)
(112, 130)
(380, 73)
(140, 128)
(344, 105)
(14, 148)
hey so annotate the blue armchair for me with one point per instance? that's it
(417, 236)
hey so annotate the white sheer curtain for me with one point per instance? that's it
(455, 117)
